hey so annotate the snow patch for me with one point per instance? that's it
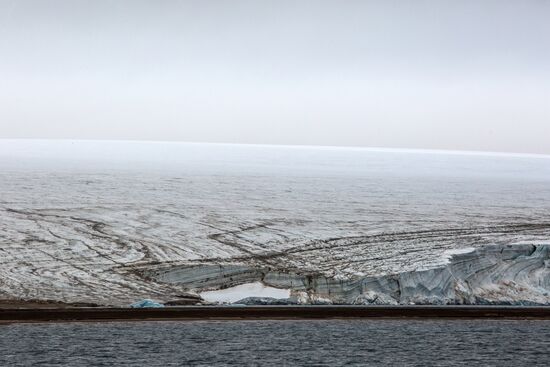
(256, 289)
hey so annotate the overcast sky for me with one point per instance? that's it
(469, 75)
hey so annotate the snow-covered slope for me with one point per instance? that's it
(112, 222)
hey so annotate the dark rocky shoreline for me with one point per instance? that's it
(102, 314)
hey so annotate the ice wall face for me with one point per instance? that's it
(94, 221)
(511, 274)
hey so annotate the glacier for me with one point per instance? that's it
(110, 223)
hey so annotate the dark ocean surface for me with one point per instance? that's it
(386, 342)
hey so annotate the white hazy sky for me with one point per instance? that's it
(469, 75)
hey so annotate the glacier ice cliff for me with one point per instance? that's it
(516, 274)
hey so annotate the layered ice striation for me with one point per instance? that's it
(511, 274)
(111, 223)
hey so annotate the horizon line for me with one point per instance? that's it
(295, 146)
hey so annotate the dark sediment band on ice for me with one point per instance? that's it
(501, 275)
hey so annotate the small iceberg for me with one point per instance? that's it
(146, 303)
